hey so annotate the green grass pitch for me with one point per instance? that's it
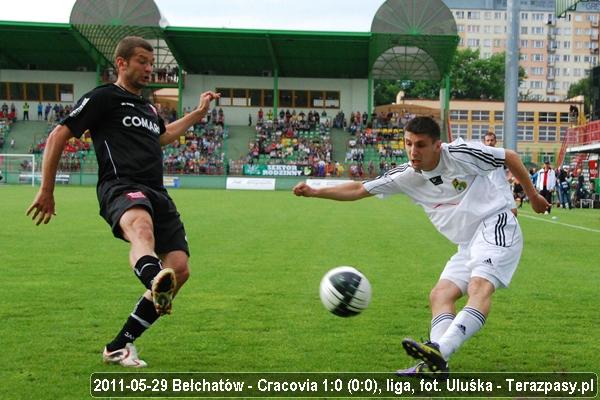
(252, 303)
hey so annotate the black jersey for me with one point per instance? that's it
(125, 129)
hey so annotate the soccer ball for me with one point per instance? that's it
(345, 291)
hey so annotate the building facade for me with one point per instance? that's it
(541, 126)
(555, 53)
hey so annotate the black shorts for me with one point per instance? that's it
(116, 197)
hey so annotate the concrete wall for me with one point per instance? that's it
(353, 92)
(82, 83)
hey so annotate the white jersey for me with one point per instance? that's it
(499, 178)
(458, 194)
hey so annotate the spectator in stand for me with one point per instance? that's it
(546, 183)
(40, 111)
(5, 108)
(47, 111)
(26, 111)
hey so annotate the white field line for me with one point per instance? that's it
(551, 221)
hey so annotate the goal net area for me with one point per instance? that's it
(20, 169)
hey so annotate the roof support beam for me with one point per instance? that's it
(97, 56)
(274, 60)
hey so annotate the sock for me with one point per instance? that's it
(467, 322)
(146, 269)
(143, 315)
(439, 325)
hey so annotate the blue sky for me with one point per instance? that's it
(323, 15)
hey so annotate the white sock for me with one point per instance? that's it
(439, 325)
(467, 322)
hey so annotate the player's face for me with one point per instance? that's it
(490, 141)
(138, 69)
(423, 151)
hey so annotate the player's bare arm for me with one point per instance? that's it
(345, 192)
(43, 204)
(518, 170)
(178, 128)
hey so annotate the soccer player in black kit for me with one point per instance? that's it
(128, 133)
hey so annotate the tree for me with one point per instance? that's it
(471, 77)
(583, 88)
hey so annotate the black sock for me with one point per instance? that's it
(143, 315)
(146, 269)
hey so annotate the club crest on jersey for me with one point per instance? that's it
(459, 185)
(136, 195)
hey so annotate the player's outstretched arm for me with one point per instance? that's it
(516, 167)
(344, 192)
(43, 204)
(178, 128)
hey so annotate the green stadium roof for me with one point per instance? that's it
(408, 40)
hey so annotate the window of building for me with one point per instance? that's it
(497, 43)
(225, 99)
(478, 115)
(459, 14)
(536, 85)
(332, 99)
(498, 29)
(472, 14)
(544, 156)
(301, 98)
(525, 116)
(525, 133)
(49, 92)
(32, 91)
(537, 71)
(238, 98)
(564, 117)
(537, 30)
(499, 115)
(459, 130)
(268, 98)
(473, 42)
(473, 28)
(547, 134)
(546, 116)
(255, 97)
(537, 57)
(478, 131)
(459, 115)
(538, 44)
(524, 30)
(523, 43)
(499, 131)
(487, 15)
(524, 16)
(460, 28)
(285, 98)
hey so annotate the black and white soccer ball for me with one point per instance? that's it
(345, 291)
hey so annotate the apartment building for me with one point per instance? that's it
(555, 53)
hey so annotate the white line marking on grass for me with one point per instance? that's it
(583, 228)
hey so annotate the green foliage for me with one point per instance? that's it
(252, 301)
(583, 88)
(471, 77)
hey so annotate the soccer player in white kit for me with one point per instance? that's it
(451, 182)
(499, 175)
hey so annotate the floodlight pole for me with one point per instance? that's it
(511, 77)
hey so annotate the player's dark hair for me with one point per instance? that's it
(424, 125)
(128, 44)
(490, 133)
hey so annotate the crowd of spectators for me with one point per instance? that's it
(199, 152)
(294, 138)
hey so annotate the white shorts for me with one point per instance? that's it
(492, 254)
